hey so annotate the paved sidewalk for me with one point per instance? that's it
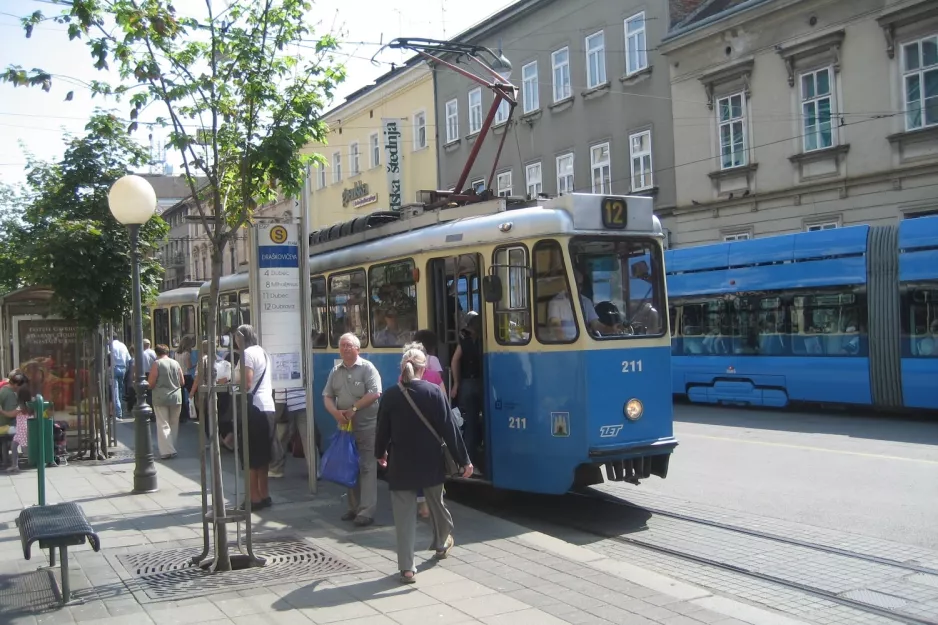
(320, 570)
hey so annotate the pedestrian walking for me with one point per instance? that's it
(166, 382)
(413, 418)
(120, 358)
(351, 396)
(254, 374)
(290, 418)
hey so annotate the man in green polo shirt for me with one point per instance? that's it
(9, 403)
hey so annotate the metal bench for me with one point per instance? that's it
(58, 526)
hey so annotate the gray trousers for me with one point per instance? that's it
(363, 498)
(404, 506)
(287, 426)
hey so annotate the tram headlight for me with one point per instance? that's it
(633, 410)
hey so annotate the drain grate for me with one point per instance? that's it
(168, 575)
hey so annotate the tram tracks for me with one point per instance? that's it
(641, 540)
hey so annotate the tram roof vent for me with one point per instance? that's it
(388, 223)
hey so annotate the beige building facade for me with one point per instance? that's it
(794, 115)
(355, 179)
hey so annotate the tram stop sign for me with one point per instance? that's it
(278, 289)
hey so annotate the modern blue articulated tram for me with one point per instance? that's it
(576, 355)
(846, 316)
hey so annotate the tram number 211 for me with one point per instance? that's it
(631, 366)
(517, 423)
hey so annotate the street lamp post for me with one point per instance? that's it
(132, 201)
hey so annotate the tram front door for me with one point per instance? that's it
(454, 290)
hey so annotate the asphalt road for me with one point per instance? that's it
(871, 475)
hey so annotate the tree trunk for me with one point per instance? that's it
(222, 556)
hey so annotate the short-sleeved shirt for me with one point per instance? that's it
(560, 308)
(8, 402)
(255, 359)
(346, 385)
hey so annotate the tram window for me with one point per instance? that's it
(348, 306)
(319, 312)
(175, 326)
(920, 323)
(393, 303)
(553, 308)
(706, 327)
(620, 287)
(829, 324)
(227, 317)
(188, 321)
(245, 306)
(512, 311)
(161, 326)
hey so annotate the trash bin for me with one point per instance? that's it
(32, 440)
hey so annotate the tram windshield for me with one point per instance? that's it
(621, 286)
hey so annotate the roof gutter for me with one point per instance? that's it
(713, 19)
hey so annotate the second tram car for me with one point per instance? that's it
(841, 316)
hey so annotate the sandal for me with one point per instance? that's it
(442, 554)
(408, 577)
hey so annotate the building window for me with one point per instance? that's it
(336, 167)
(501, 113)
(822, 225)
(322, 176)
(560, 60)
(601, 168)
(565, 173)
(920, 82)
(636, 55)
(353, 160)
(503, 184)
(375, 142)
(452, 120)
(737, 236)
(640, 157)
(420, 130)
(478, 186)
(529, 89)
(732, 131)
(532, 175)
(595, 60)
(475, 111)
(816, 109)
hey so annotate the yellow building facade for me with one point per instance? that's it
(381, 150)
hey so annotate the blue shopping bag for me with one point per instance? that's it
(340, 461)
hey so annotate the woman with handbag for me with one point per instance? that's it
(255, 375)
(419, 438)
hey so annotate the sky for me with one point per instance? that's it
(40, 121)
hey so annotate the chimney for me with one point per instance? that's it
(681, 9)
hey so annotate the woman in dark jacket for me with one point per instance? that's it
(415, 458)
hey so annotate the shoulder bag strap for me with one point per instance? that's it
(266, 367)
(413, 405)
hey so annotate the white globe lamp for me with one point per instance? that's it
(132, 200)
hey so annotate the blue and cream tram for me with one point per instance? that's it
(576, 364)
(173, 316)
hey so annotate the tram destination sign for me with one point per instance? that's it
(278, 273)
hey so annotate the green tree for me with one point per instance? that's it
(243, 89)
(59, 231)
